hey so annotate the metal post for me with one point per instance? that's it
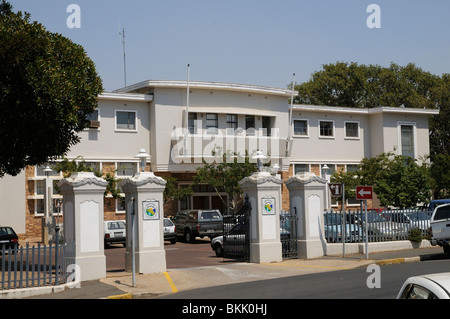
(133, 242)
(57, 255)
(344, 235)
(367, 233)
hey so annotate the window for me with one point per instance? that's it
(326, 128)
(301, 168)
(267, 128)
(212, 123)
(126, 120)
(192, 121)
(301, 127)
(126, 169)
(351, 129)
(250, 124)
(407, 140)
(232, 123)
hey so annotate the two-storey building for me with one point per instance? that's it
(180, 129)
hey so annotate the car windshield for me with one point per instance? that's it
(116, 225)
(372, 217)
(419, 216)
(168, 223)
(6, 231)
(332, 219)
(210, 215)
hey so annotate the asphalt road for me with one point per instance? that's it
(347, 284)
(179, 255)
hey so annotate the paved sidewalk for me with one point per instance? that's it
(119, 285)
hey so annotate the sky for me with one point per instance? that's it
(247, 41)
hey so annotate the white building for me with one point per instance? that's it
(154, 115)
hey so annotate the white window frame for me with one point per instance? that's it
(399, 133)
(334, 130)
(307, 127)
(352, 137)
(123, 129)
(125, 176)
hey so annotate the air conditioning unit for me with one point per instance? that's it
(94, 124)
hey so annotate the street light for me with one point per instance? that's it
(274, 169)
(259, 156)
(143, 157)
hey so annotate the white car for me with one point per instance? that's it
(433, 286)
(170, 231)
(115, 232)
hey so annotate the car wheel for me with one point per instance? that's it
(188, 236)
(219, 250)
(173, 241)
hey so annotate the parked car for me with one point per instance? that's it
(379, 226)
(115, 232)
(435, 203)
(433, 286)
(8, 238)
(440, 227)
(333, 229)
(170, 232)
(198, 223)
(235, 236)
(415, 219)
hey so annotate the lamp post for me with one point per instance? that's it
(143, 157)
(259, 156)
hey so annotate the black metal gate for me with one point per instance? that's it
(288, 234)
(236, 234)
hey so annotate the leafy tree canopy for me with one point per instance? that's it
(47, 87)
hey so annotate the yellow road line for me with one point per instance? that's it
(169, 280)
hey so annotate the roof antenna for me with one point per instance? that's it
(122, 34)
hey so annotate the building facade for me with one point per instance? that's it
(180, 130)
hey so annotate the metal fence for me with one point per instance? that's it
(36, 266)
(288, 234)
(381, 226)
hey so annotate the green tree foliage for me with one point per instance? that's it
(398, 181)
(353, 85)
(225, 176)
(47, 87)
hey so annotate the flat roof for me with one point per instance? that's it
(257, 89)
(354, 110)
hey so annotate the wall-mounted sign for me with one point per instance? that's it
(150, 210)
(268, 206)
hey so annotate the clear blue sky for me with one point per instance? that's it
(247, 41)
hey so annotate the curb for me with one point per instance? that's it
(123, 296)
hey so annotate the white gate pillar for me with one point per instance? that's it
(83, 194)
(307, 194)
(147, 191)
(264, 194)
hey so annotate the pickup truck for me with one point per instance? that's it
(198, 223)
(440, 227)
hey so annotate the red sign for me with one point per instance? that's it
(364, 192)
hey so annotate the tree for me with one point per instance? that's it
(353, 85)
(48, 85)
(397, 180)
(225, 177)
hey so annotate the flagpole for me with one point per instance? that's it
(187, 98)
(290, 128)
